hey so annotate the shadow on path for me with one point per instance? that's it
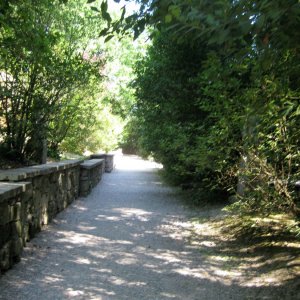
(130, 239)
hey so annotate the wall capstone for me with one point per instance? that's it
(90, 174)
(109, 160)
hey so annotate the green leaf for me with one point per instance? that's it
(136, 33)
(175, 11)
(168, 18)
(103, 32)
(90, 1)
(123, 13)
(95, 9)
(297, 112)
(210, 19)
(108, 38)
(104, 6)
(105, 15)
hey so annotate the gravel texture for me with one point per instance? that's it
(126, 240)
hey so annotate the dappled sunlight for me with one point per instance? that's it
(120, 281)
(127, 260)
(164, 256)
(122, 264)
(123, 214)
(52, 279)
(108, 218)
(249, 264)
(84, 261)
(86, 228)
(77, 238)
(191, 250)
(197, 273)
(139, 214)
(80, 207)
(83, 294)
(73, 293)
(207, 244)
(168, 295)
(122, 244)
(87, 240)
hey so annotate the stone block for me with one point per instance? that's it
(45, 218)
(16, 249)
(5, 257)
(36, 195)
(33, 227)
(16, 229)
(5, 234)
(15, 212)
(4, 213)
(27, 196)
(53, 208)
(70, 197)
(44, 201)
(53, 178)
(85, 173)
(85, 187)
(26, 236)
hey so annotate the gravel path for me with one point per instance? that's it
(127, 240)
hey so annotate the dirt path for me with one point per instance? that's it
(132, 238)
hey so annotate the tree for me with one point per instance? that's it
(44, 60)
(246, 89)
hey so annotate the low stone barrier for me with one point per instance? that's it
(54, 187)
(30, 197)
(14, 228)
(109, 160)
(90, 174)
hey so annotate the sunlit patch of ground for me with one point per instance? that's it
(250, 251)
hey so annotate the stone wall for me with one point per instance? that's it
(54, 187)
(109, 160)
(14, 204)
(30, 198)
(90, 174)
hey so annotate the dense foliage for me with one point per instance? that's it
(52, 80)
(217, 93)
(218, 98)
